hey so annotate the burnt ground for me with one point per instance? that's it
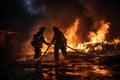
(90, 66)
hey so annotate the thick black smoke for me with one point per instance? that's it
(26, 15)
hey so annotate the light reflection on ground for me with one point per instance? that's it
(81, 67)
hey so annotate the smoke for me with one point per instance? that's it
(32, 7)
(102, 10)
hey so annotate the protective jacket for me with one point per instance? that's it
(59, 38)
(38, 40)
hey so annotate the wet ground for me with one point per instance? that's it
(92, 66)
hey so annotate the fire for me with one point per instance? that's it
(99, 36)
(96, 39)
(115, 41)
(71, 34)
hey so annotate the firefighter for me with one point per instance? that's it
(59, 42)
(38, 40)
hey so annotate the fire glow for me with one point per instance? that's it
(71, 34)
(98, 37)
(95, 38)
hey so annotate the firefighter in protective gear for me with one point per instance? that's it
(59, 42)
(38, 41)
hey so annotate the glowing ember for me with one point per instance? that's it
(97, 70)
(115, 41)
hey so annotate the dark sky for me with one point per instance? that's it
(22, 15)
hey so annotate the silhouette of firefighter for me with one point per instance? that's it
(59, 42)
(38, 40)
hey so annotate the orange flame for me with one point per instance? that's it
(95, 38)
(99, 36)
(115, 41)
(71, 34)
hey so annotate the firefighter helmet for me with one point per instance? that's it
(42, 28)
(55, 28)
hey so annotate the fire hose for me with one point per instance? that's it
(39, 61)
(49, 47)
(73, 49)
(44, 53)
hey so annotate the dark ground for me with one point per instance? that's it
(92, 66)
